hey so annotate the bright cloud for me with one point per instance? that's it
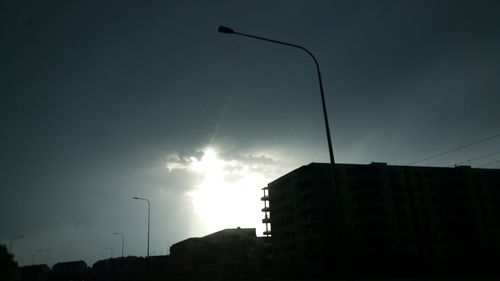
(229, 192)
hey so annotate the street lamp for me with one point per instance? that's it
(340, 215)
(12, 239)
(227, 30)
(111, 251)
(34, 254)
(144, 199)
(123, 239)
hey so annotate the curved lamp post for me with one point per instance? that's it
(123, 239)
(340, 215)
(12, 240)
(144, 199)
(34, 254)
(227, 30)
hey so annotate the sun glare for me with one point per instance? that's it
(228, 195)
(208, 164)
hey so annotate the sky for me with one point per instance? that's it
(101, 101)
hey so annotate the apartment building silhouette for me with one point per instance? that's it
(398, 219)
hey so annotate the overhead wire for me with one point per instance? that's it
(490, 163)
(477, 158)
(455, 149)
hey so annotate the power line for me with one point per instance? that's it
(455, 149)
(490, 163)
(477, 158)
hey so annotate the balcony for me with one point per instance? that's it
(266, 209)
(266, 220)
(264, 198)
(267, 233)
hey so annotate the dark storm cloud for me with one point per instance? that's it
(96, 98)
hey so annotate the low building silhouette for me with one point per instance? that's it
(397, 220)
(130, 268)
(74, 270)
(40, 272)
(230, 254)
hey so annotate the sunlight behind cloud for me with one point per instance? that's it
(229, 193)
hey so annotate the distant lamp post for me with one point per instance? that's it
(144, 199)
(34, 254)
(12, 240)
(110, 250)
(123, 239)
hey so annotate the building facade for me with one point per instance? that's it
(386, 219)
(229, 254)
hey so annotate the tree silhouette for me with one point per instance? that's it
(8, 267)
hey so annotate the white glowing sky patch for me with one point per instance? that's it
(229, 193)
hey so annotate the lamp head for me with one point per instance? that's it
(225, 29)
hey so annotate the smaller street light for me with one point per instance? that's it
(12, 240)
(111, 250)
(123, 239)
(144, 199)
(34, 254)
